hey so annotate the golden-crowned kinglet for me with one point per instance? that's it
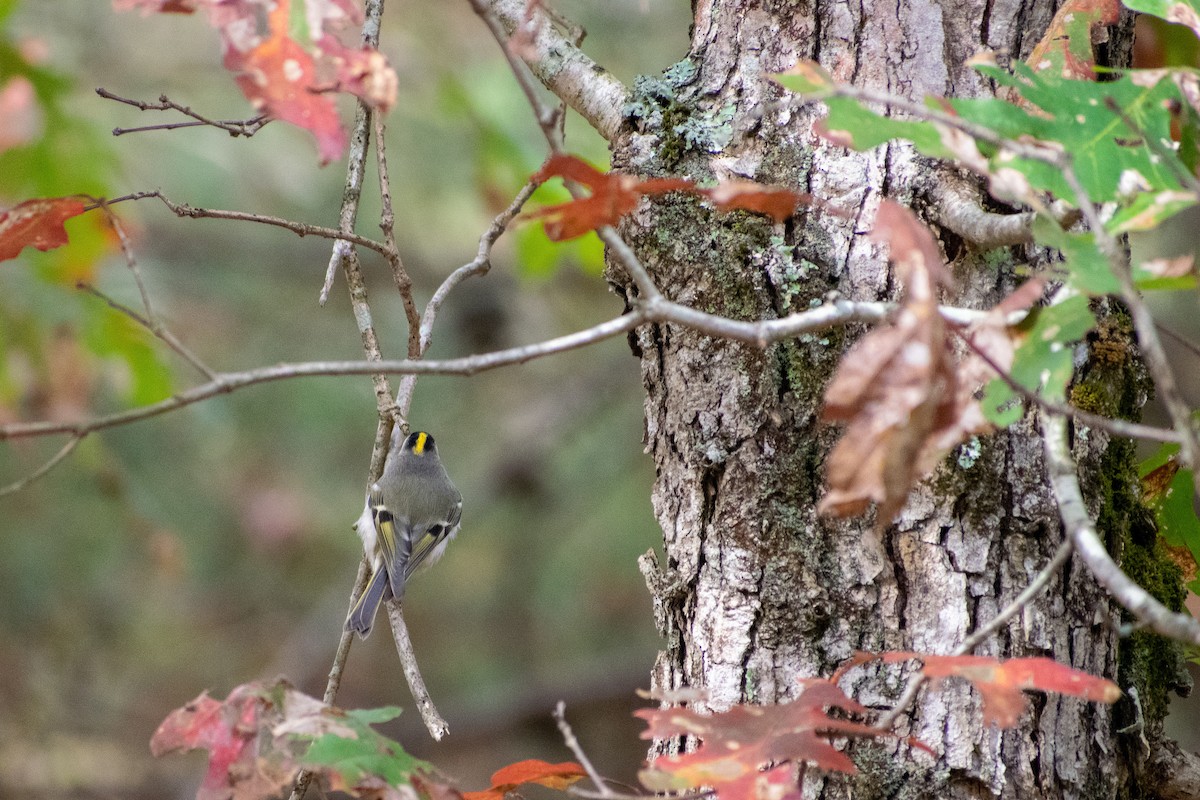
(411, 514)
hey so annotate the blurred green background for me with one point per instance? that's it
(212, 546)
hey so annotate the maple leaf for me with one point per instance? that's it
(613, 195)
(889, 387)
(1003, 683)
(960, 414)
(506, 779)
(278, 76)
(36, 223)
(738, 744)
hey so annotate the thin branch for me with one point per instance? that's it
(1165, 385)
(1117, 427)
(345, 255)
(298, 228)
(235, 128)
(152, 322)
(759, 334)
(1082, 531)
(980, 635)
(156, 328)
(387, 223)
(560, 717)
(1180, 339)
(562, 67)
(434, 723)
(480, 265)
(54, 461)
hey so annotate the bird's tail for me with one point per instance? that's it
(362, 616)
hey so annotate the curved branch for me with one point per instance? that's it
(562, 67)
(1079, 527)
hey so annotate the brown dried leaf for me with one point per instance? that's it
(890, 385)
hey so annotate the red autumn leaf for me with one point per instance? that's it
(506, 779)
(278, 76)
(613, 195)
(1003, 683)
(889, 387)
(776, 202)
(228, 731)
(36, 223)
(739, 743)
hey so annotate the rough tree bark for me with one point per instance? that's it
(756, 589)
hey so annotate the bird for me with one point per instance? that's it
(411, 514)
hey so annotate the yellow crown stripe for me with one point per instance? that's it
(419, 445)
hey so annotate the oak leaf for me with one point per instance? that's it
(612, 196)
(1003, 683)
(889, 387)
(36, 223)
(739, 744)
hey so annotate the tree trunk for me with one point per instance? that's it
(757, 590)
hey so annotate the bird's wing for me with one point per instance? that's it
(432, 541)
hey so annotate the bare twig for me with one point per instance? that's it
(477, 266)
(560, 717)
(1117, 427)
(298, 228)
(387, 223)
(154, 327)
(434, 723)
(247, 127)
(1082, 531)
(345, 255)
(54, 461)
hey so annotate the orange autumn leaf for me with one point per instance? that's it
(1003, 683)
(506, 779)
(613, 195)
(776, 202)
(279, 77)
(36, 223)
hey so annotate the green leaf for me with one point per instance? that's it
(1088, 270)
(1149, 210)
(1001, 405)
(1045, 361)
(355, 758)
(1175, 509)
(365, 752)
(807, 78)
(374, 716)
(1186, 12)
